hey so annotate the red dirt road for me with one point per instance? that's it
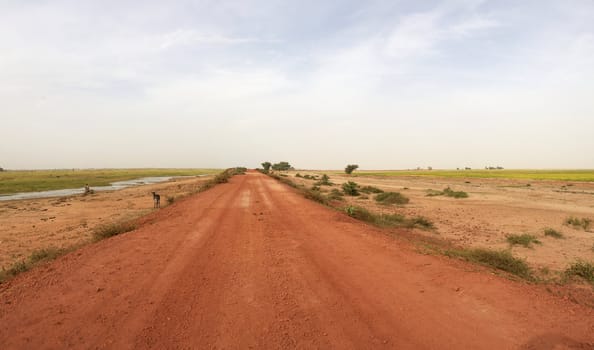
(251, 264)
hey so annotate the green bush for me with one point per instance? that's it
(391, 198)
(113, 229)
(350, 188)
(582, 269)
(336, 195)
(448, 192)
(324, 181)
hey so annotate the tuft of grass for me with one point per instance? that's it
(324, 181)
(387, 220)
(391, 198)
(499, 259)
(170, 199)
(36, 257)
(335, 195)
(525, 240)
(577, 223)
(350, 188)
(553, 233)
(113, 229)
(581, 269)
(448, 192)
(370, 189)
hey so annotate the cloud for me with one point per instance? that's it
(186, 37)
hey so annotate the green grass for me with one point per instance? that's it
(525, 240)
(499, 259)
(36, 257)
(559, 175)
(448, 192)
(370, 189)
(113, 229)
(577, 223)
(388, 198)
(581, 269)
(553, 233)
(43, 180)
(388, 220)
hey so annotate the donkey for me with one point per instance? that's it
(156, 200)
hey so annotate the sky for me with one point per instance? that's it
(321, 84)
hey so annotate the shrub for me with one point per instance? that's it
(391, 198)
(422, 222)
(109, 230)
(577, 223)
(315, 188)
(350, 168)
(325, 181)
(298, 175)
(370, 189)
(553, 233)
(499, 259)
(582, 269)
(335, 195)
(525, 240)
(387, 220)
(266, 166)
(350, 188)
(170, 199)
(45, 254)
(448, 192)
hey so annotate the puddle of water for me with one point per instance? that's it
(118, 185)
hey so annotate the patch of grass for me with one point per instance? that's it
(36, 257)
(558, 175)
(553, 233)
(113, 229)
(581, 269)
(525, 240)
(448, 192)
(388, 198)
(577, 223)
(336, 195)
(387, 220)
(370, 189)
(350, 188)
(170, 199)
(499, 259)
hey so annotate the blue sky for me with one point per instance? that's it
(385, 84)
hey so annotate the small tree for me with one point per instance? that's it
(350, 168)
(281, 166)
(266, 166)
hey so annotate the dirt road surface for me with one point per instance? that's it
(251, 264)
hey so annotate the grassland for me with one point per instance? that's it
(558, 175)
(44, 180)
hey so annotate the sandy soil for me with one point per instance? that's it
(27, 225)
(495, 208)
(252, 264)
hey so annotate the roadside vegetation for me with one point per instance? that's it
(391, 198)
(44, 180)
(113, 229)
(388, 220)
(448, 192)
(37, 257)
(577, 223)
(549, 232)
(582, 269)
(350, 188)
(370, 190)
(498, 259)
(525, 240)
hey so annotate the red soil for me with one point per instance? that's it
(251, 264)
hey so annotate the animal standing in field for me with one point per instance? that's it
(156, 200)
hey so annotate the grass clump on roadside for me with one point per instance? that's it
(324, 181)
(370, 190)
(388, 198)
(581, 269)
(336, 195)
(448, 192)
(113, 229)
(36, 257)
(350, 188)
(553, 233)
(577, 223)
(387, 220)
(525, 240)
(499, 259)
